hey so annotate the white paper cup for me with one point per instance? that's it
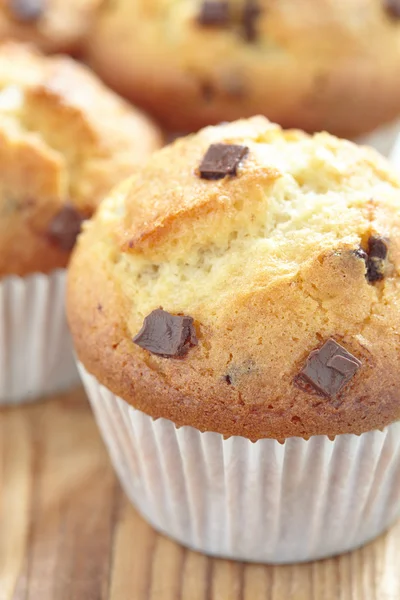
(36, 357)
(262, 502)
(383, 138)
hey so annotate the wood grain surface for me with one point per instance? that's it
(67, 532)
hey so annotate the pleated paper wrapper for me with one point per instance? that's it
(36, 357)
(262, 502)
(383, 138)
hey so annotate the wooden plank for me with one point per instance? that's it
(67, 531)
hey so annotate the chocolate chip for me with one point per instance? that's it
(375, 258)
(392, 7)
(27, 10)
(221, 160)
(166, 335)
(330, 368)
(251, 12)
(207, 91)
(377, 247)
(214, 13)
(375, 269)
(65, 227)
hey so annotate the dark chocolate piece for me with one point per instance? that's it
(26, 10)
(377, 247)
(65, 227)
(251, 12)
(221, 160)
(207, 91)
(214, 13)
(166, 335)
(392, 7)
(330, 368)
(375, 258)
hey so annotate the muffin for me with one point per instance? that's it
(235, 310)
(52, 25)
(65, 140)
(314, 65)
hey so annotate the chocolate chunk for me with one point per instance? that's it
(392, 7)
(214, 13)
(330, 368)
(65, 227)
(26, 10)
(166, 335)
(221, 160)
(207, 91)
(375, 258)
(375, 269)
(251, 12)
(377, 247)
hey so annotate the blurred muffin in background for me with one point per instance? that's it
(53, 25)
(65, 140)
(304, 63)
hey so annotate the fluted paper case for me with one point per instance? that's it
(266, 501)
(36, 357)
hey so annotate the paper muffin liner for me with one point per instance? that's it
(36, 356)
(383, 138)
(262, 502)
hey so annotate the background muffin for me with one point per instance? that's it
(52, 25)
(235, 309)
(65, 140)
(314, 65)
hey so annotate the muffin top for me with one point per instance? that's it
(246, 281)
(313, 64)
(65, 140)
(52, 25)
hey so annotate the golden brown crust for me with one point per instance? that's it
(266, 263)
(323, 65)
(61, 25)
(64, 138)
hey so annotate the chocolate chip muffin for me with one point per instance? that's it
(52, 25)
(65, 140)
(245, 281)
(234, 308)
(314, 65)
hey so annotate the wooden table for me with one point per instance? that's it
(67, 532)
